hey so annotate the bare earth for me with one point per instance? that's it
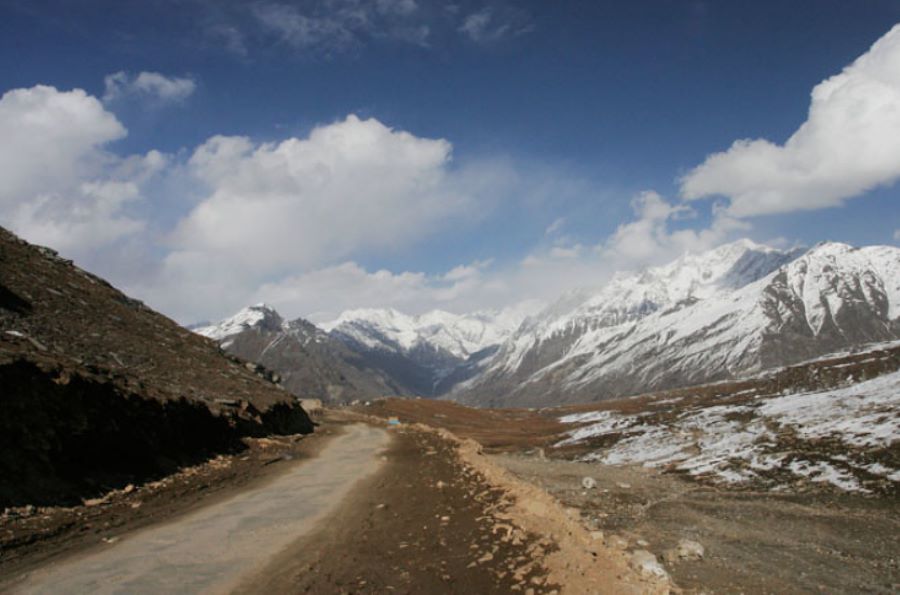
(810, 539)
(416, 509)
(419, 512)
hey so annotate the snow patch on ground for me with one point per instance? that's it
(742, 443)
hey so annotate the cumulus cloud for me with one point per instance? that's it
(60, 185)
(148, 85)
(352, 185)
(649, 238)
(272, 210)
(849, 144)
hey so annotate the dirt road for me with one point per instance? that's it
(215, 548)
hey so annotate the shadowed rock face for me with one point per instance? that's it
(98, 389)
(63, 437)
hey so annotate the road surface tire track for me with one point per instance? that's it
(422, 524)
(213, 549)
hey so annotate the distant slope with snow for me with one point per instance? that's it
(427, 354)
(845, 437)
(310, 362)
(726, 313)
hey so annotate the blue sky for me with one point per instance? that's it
(558, 137)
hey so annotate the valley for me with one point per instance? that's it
(731, 485)
(500, 297)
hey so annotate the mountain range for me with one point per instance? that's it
(717, 315)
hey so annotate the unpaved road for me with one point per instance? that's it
(215, 548)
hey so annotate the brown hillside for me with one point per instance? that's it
(99, 390)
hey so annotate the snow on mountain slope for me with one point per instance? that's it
(427, 354)
(459, 335)
(247, 318)
(728, 312)
(310, 362)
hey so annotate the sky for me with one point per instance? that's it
(321, 155)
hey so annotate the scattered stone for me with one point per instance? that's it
(588, 483)
(623, 486)
(617, 542)
(686, 549)
(596, 535)
(647, 564)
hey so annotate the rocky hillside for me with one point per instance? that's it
(99, 391)
(310, 363)
(727, 313)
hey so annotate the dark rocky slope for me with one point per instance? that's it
(99, 391)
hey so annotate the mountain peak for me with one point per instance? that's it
(256, 316)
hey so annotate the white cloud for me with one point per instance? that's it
(490, 24)
(555, 227)
(150, 85)
(352, 185)
(60, 186)
(276, 210)
(849, 144)
(897, 235)
(323, 294)
(649, 239)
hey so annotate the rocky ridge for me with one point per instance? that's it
(728, 313)
(310, 363)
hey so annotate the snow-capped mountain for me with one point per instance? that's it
(310, 362)
(431, 352)
(259, 317)
(732, 311)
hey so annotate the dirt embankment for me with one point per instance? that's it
(423, 524)
(441, 518)
(804, 538)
